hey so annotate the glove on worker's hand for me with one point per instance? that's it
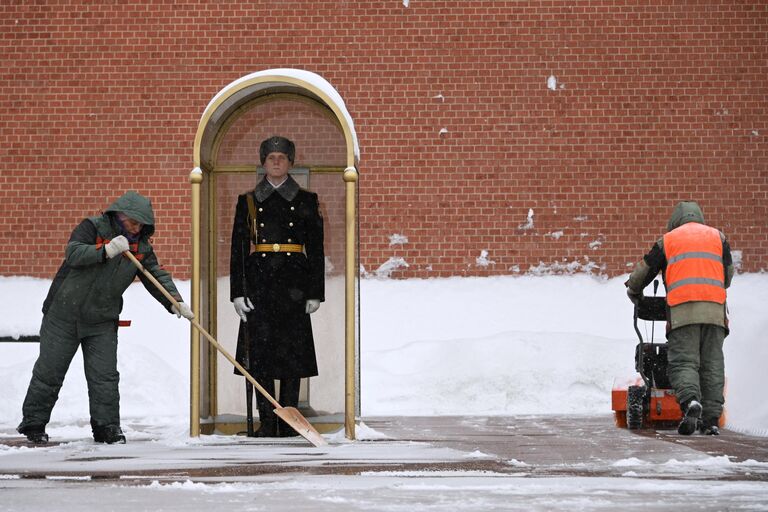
(242, 306)
(183, 311)
(312, 306)
(634, 296)
(117, 245)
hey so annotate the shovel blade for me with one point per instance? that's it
(299, 423)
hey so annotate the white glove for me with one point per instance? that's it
(312, 306)
(117, 245)
(242, 306)
(183, 311)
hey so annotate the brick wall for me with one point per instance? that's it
(655, 101)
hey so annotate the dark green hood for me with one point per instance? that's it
(137, 207)
(684, 212)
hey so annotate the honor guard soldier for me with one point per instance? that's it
(277, 279)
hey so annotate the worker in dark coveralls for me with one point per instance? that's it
(697, 268)
(277, 279)
(82, 309)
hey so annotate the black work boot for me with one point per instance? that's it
(708, 427)
(109, 434)
(690, 419)
(35, 434)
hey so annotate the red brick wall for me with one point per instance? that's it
(319, 140)
(656, 101)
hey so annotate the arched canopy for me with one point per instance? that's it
(223, 110)
(271, 81)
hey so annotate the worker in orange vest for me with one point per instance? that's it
(696, 265)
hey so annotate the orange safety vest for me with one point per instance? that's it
(695, 270)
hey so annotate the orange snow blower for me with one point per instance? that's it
(648, 401)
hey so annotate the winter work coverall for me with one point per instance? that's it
(82, 308)
(697, 268)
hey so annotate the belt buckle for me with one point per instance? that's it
(275, 247)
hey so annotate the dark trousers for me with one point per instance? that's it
(696, 366)
(289, 397)
(59, 340)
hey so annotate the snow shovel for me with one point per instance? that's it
(290, 415)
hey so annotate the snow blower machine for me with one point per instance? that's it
(648, 400)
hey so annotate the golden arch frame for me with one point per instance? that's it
(225, 104)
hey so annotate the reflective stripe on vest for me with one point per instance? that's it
(695, 270)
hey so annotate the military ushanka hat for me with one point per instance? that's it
(277, 144)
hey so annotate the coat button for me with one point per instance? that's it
(264, 240)
(289, 240)
(290, 224)
(261, 209)
(292, 208)
(288, 254)
(263, 255)
(261, 225)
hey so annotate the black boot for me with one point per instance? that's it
(708, 427)
(109, 434)
(35, 434)
(691, 418)
(267, 418)
(267, 425)
(289, 397)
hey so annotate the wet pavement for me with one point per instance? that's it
(435, 464)
(530, 445)
(579, 445)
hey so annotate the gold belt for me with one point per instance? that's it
(279, 248)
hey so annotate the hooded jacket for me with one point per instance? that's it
(88, 286)
(686, 313)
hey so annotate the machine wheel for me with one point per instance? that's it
(635, 407)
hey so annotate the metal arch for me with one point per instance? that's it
(249, 104)
(239, 93)
(300, 87)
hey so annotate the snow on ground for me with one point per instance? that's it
(453, 346)
(390, 493)
(531, 345)
(457, 346)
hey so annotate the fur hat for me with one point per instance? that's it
(276, 144)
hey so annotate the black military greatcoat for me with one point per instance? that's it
(278, 283)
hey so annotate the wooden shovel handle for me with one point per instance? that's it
(200, 328)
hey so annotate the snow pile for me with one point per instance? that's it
(189, 485)
(389, 266)
(362, 433)
(528, 224)
(584, 266)
(482, 260)
(22, 303)
(452, 346)
(397, 239)
(530, 345)
(153, 361)
(552, 83)
(555, 234)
